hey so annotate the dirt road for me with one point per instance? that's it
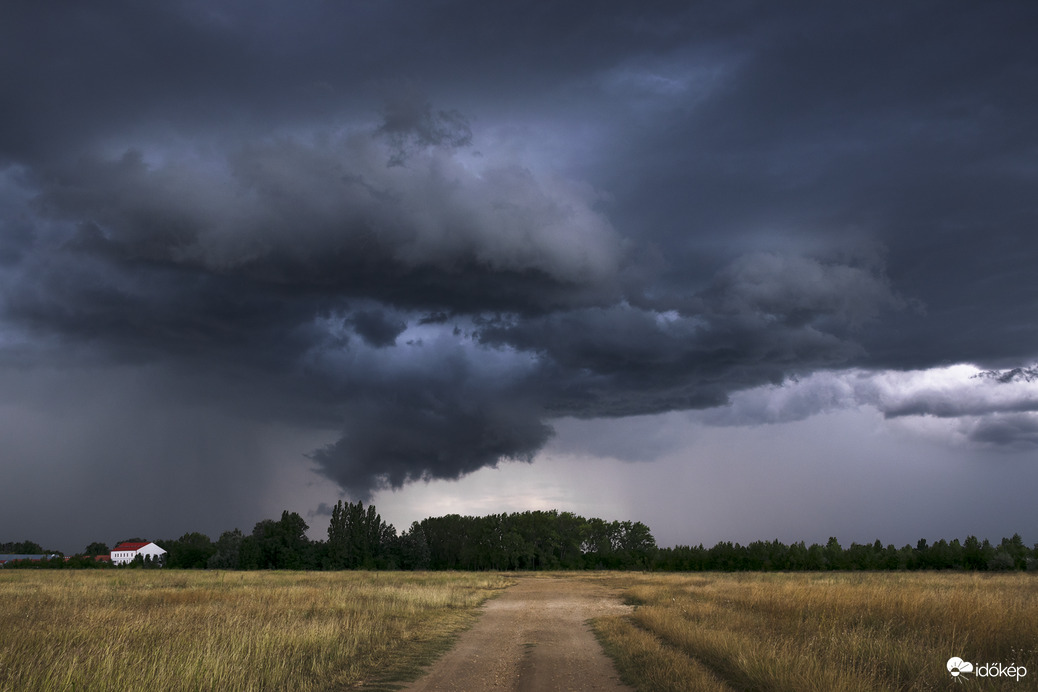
(532, 638)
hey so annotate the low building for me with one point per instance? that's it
(5, 558)
(124, 553)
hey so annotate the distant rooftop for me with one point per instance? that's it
(12, 556)
(130, 546)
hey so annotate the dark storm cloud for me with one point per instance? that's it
(74, 72)
(423, 435)
(923, 404)
(410, 124)
(377, 328)
(258, 260)
(438, 226)
(1015, 430)
(332, 216)
(759, 319)
(907, 127)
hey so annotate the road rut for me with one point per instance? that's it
(533, 637)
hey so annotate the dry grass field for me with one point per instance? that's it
(173, 630)
(825, 632)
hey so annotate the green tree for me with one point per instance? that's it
(23, 548)
(1015, 548)
(413, 548)
(278, 544)
(358, 537)
(816, 558)
(834, 554)
(571, 532)
(190, 551)
(226, 551)
(598, 543)
(972, 555)
(1001, 561)
(636, 543)
(249, 553)
(96, 548)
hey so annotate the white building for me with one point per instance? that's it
(125, 552)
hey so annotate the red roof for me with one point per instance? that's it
(130, 546)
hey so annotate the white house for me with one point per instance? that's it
(125, 552)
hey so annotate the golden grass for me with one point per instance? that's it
(802, 632)
(646, 662)
(169, 630)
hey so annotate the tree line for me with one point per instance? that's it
(24, 548)
(358, 538)
(763, 556)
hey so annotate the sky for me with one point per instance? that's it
(739, 270)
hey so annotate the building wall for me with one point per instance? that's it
(151, 550)
(121, 557)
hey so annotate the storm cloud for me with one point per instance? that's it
(427, 232)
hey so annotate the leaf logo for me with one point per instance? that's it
(956, 666)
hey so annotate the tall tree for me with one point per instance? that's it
(190, 551)
(96, 548)
(227, 551)
(22, 548)
(357, 537)
(413, 548)
(278, 544)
